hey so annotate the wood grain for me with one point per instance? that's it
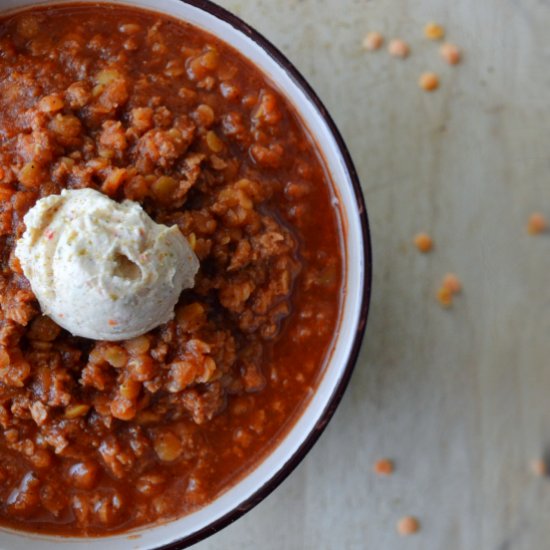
(460, 398)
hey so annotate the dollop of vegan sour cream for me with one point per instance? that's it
(102, 269)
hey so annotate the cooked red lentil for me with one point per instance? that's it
(100, 437)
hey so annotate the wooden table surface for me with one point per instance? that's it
(458, 398)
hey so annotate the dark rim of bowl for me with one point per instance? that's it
(270, 485)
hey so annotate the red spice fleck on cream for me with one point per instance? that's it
(537, 224)
(112, 323)
(423, 242)
(399, 48)
(429, 82)
(408, 525)
(384, 467)
(450, 53)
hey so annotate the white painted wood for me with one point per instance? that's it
(460, 399)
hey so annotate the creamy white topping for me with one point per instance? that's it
(102, 269)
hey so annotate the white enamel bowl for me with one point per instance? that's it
(283, 459)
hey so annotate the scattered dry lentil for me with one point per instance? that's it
(539, 467)
(450, 53)
(434, 31)
(373, 41)
(428, 82)
(537, 224)
(445, 297)
(399, 48)
(452, 283)
(75, 411)
(423, 242)
(384, 467)
(408, 525)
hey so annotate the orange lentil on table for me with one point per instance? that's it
(537, 224)
(101, 437)
(399, 48)
(450, 53)
(384, 467)
(445, 296)
(452, 283)
(373, 41)
(423, 242)
(434, 31)
(539, 467)
(428, 82)
(408, 525)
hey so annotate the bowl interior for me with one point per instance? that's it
(287, 454)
